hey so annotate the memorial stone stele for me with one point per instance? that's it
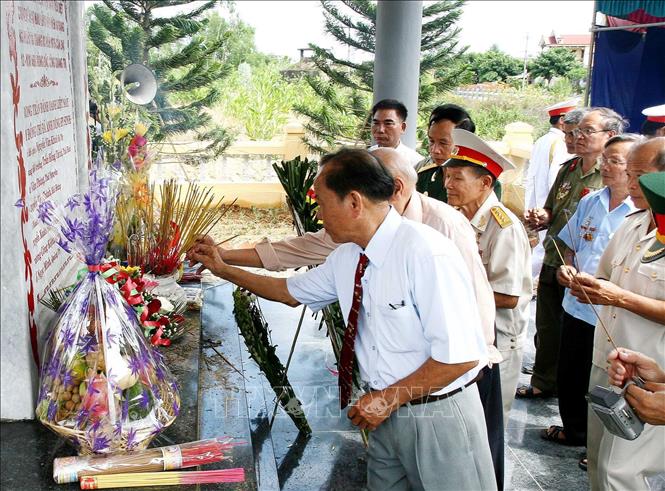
(45, 144)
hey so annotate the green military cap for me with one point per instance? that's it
(653, 187)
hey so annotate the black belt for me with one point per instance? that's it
(432, 398)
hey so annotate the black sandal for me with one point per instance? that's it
(526, 392)
(582, 464)
(555, 433)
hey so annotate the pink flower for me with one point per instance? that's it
(139, 141)
(133, 150)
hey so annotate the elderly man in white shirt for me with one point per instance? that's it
(548, 153)
(388, 126)
(405, 291)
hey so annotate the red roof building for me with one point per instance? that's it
(578, 44)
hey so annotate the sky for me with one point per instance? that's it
(284, 26)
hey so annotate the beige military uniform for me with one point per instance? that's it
(615, 463)
(506, 255)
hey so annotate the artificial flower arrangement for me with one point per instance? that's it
(102, 386)
(127, 152)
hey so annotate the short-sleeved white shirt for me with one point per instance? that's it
(418, 302)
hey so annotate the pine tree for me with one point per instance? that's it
(133, 31)
(345, 87)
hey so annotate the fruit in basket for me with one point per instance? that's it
(42, 409)
(95, 399)
(95, 361)
(79, 368)
(139, 399)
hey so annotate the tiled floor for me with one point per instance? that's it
(531, 462)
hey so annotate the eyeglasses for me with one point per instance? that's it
(586, 132)
(612, 162)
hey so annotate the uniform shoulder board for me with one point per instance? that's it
(636, 212)
(501, 217)
(426, 168)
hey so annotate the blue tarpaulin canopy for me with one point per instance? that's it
(629, 67)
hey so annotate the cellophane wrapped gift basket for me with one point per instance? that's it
(101, 385)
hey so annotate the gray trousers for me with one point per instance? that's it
(441, 445)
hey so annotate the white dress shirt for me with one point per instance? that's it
(418, 302)
(548, 153)
(408, 153)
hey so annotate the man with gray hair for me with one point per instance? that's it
(577, 178)
(588, 231)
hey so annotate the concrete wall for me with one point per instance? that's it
(44, 155)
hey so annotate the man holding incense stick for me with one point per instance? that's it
(576, 178)
(314, 248)
(412, 323)
(630, 284)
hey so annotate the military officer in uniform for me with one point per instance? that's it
(654, 124)
(430, 170)
(504, 248)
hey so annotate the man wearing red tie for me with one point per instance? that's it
(412, 324)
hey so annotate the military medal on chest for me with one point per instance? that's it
(563, 190)
(587, 229)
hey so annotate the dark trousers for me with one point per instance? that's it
(575, 356)
(548, 330)
(489, 389)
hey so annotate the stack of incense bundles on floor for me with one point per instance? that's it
(71, 469)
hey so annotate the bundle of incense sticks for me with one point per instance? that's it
(192, 454)
(162, 479)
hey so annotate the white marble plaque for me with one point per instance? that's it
(41, 159)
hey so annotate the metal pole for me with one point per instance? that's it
(626, 27)
(397, 57)
(524, 73)
(587, 88)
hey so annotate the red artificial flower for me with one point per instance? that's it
(584, 192)
(158, 340)
(138, 141)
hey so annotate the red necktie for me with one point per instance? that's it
(346, 358)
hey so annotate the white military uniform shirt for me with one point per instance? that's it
(407, 152)
(418, 302)
(506, 255)
(548, 153)
(621, 264)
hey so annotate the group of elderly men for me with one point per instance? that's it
(434, 277)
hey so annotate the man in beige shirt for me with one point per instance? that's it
(503, 244)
